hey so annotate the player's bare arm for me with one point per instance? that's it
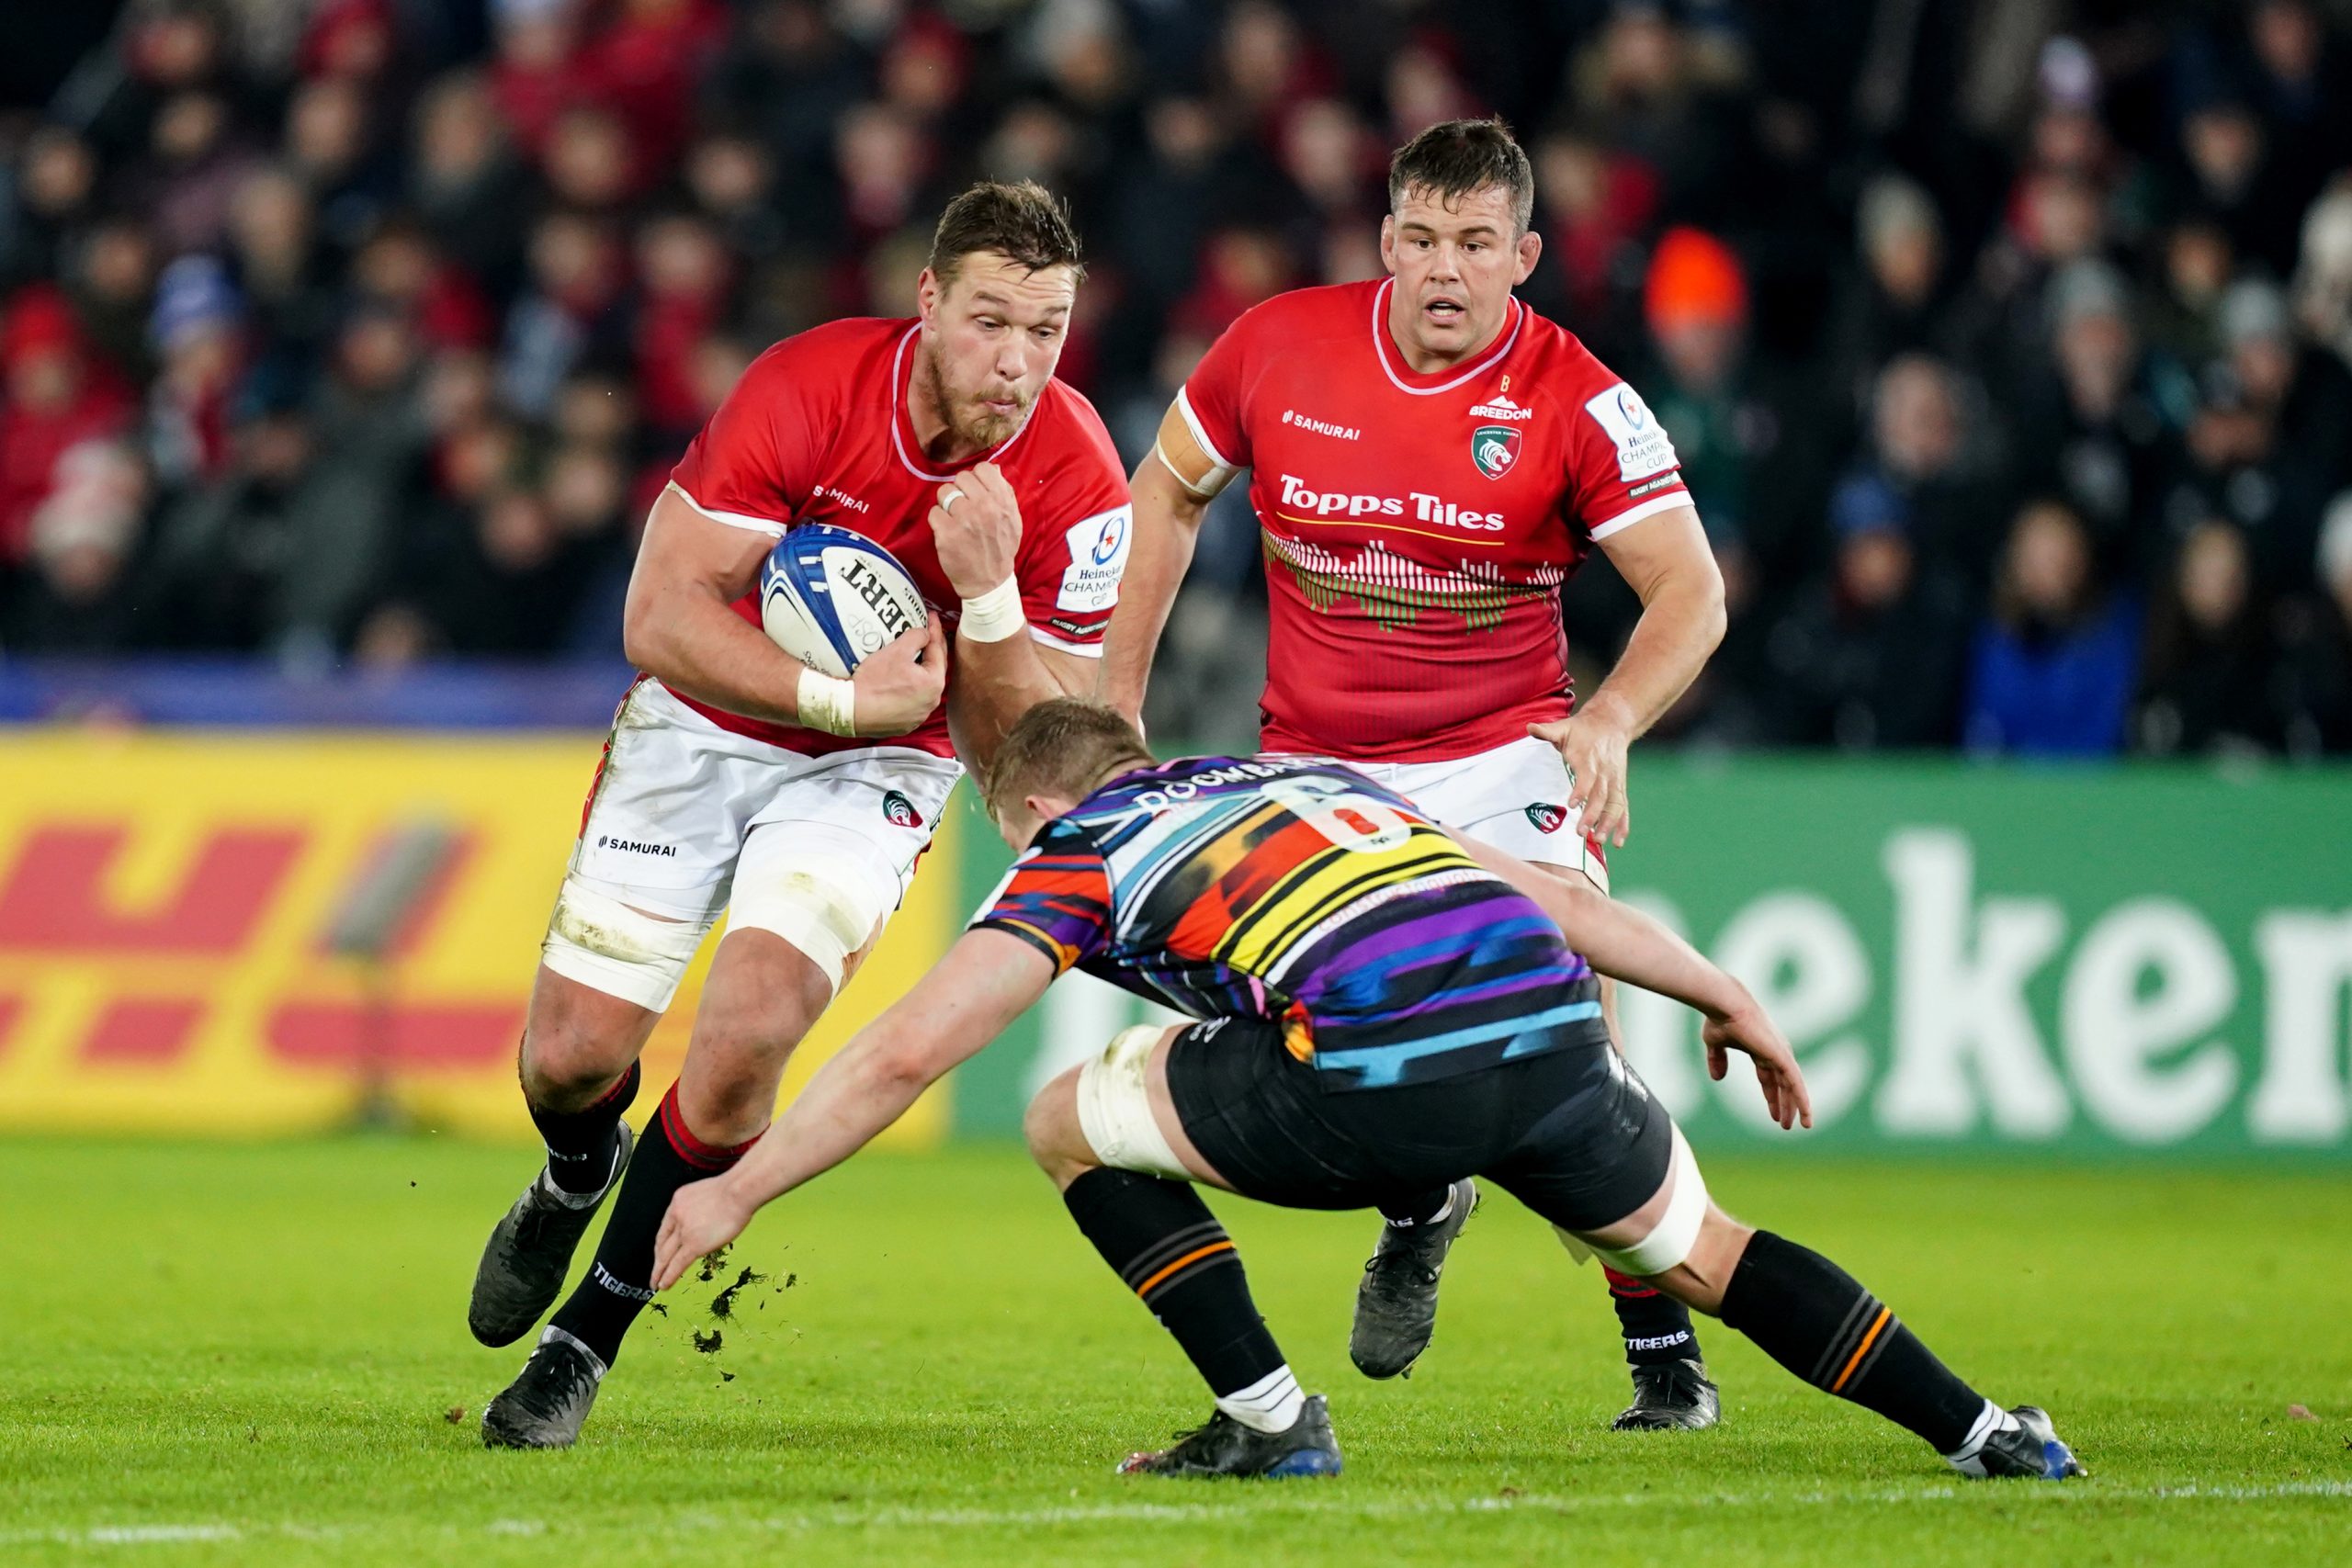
(986, 981)
(679, 626)
(1627, 944)
(1172, 487)
(1666, 562)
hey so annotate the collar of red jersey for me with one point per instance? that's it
(1391, 356)
(902, 419)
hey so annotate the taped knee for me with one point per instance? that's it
(825, 903)
(1114, 1107)
(1677, 1231)
(609, 945)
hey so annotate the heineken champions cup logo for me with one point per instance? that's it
(1494, 448)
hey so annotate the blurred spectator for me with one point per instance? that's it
(55, 400)
(2101, 424)
(571, 306)
(685, 279)
(2266, 451)
(1870, 656)
(2198, 262)
(199, 344)
(285, 280)
(2315, 677)
(192, 173)
(2206, 682)
(2323, 276)
(222, 552)
(54, 190)
(2053, 667)
(469, 194)
(1920, 445)
(1596, 207)
(77, 597)
(1895, 304)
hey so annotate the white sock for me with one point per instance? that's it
(1270, 1404)
(1991, 1419)
(1444, 1210)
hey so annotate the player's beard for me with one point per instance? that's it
(970, 420)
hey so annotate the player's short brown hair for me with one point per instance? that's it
(1458, 157)
(1062, 746)
(1024, 223)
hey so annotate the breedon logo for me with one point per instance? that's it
(1494, 448)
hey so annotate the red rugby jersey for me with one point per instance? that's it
(816, 431)
(1418, 529)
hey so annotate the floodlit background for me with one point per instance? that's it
(2005, 344)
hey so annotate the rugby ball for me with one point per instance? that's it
(830, 598)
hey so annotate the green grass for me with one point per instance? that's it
(236, 1354)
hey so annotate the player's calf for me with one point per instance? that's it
(578, 1065)
(1818, 1322)
(1152, 1228)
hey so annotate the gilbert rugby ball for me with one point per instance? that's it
(830, 598)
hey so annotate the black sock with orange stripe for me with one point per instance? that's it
(620, 1281)
(1171, 1252)
(1816, 1320)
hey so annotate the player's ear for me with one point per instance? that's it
(1530, 247)
(1388, 242)
(927, 293)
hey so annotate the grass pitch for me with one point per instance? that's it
(236, 1354)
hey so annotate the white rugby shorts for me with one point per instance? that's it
(684, 817)
(1514, 797)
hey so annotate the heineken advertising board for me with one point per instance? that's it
(2087, 959)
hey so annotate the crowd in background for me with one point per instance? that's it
(2007, 343)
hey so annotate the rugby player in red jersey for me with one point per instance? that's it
(1430, 461)
(737, 779)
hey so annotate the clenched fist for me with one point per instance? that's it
(977, 523)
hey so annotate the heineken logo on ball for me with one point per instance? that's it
(1494, 448)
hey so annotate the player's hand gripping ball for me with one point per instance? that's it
(832, 598)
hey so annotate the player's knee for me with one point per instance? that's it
(1050, 1126)
(568, 1060)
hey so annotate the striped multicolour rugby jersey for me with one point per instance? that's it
(1296, 890)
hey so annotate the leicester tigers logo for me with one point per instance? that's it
(1547, 818)
(1493, 448)
(899, 809)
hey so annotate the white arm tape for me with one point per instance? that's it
(827, 703)
(1220, 472)
(1214, 481)
(996, 615)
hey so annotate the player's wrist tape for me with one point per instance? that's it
(827, 703)
(996, 615)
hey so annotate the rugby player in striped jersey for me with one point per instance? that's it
(1382, 1007)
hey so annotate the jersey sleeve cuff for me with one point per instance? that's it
(1060, 957)
(1633, 515)
(1062, 645)
(768, 525)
